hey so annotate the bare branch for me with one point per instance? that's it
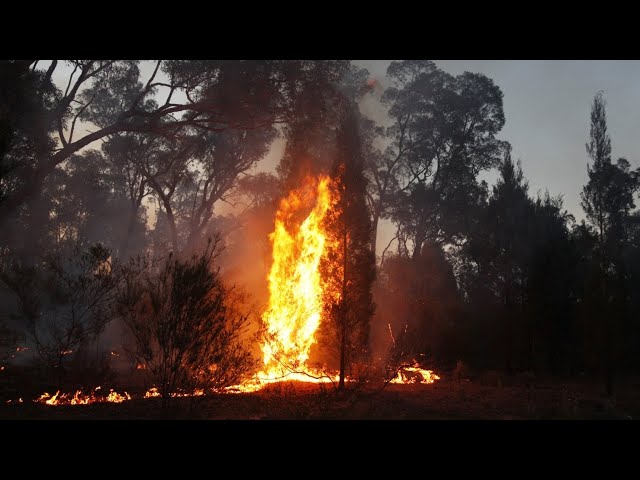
(73, 124)
(386, 248)
(50, 71)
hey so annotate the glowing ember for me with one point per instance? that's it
(152, 392)
(115, 397)
(198, 392)
(415, 374)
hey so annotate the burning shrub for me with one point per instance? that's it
(186, 324)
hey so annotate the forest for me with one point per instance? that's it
(205, 236)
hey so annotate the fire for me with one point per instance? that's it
(294, 311)
(152, 392)
(415, 374)
(296, 291)
(79, 398)
(198, 392)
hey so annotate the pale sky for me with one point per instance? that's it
(547, 105)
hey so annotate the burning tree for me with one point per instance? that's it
(186, 324)
(296, 286)
(348, 268)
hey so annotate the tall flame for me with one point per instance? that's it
(295, 286)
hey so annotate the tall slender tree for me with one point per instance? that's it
(349, 267)
(607, 200)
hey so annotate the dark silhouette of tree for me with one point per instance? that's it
(517, 276)
(217, 95)
(607, 200)
(349, 266)
(551, 287)
(312, 135)
(442, 137)
(418, 302)
(510, 221)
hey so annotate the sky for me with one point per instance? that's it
(546, 105)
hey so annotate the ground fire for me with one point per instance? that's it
(79, 398)
(414, 374)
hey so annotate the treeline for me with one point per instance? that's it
(493, 276)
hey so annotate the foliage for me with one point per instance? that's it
(186, 324)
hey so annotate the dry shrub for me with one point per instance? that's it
(187, 325)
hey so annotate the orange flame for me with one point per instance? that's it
(295, 302)
(79, 398)
(152, 392)
(414, 374)
(294, 312)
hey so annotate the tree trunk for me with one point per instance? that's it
(374, 231)
(172, 223)
(609, 353)
(174, 231)
(343, 310)
(343, 348)
(124, 245)
(419, 240)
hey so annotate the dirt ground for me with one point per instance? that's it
(444, 400)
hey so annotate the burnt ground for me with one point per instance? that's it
(444, 400)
